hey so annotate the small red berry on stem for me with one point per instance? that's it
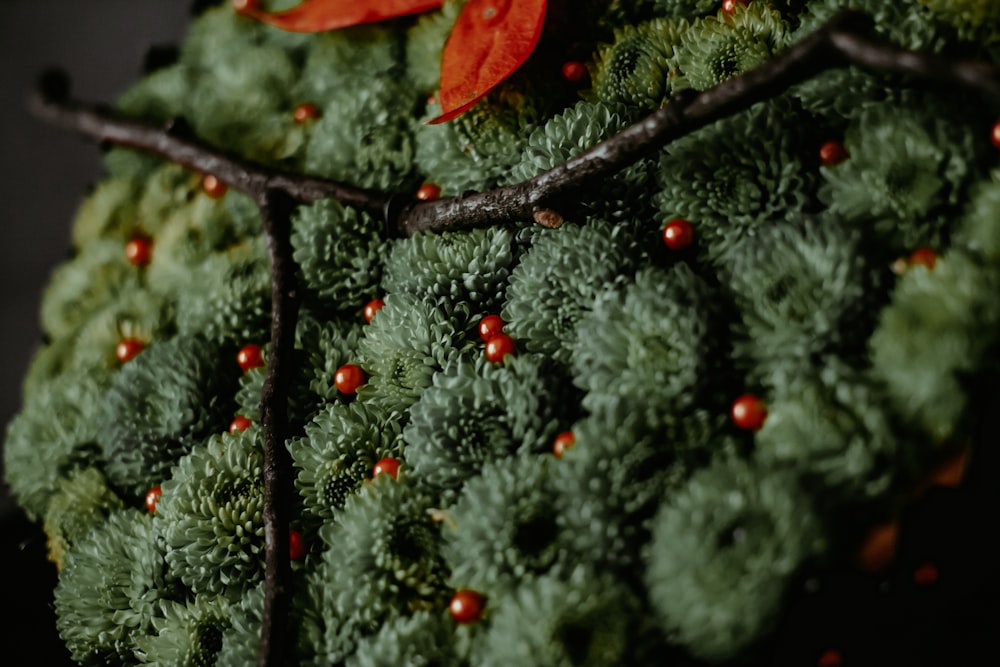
(212, 186)
(429, 192)
(563, 441)
(371, 308)
(499, 346)
(388, 466)
(995, 134)
(296, 545)
(305, 112)
(128, 349)
(925, 256)
(139, 250)
(490, 326)
(678, 234)
(574, 71)
(153, 497)
(749, 412)
(240, 423)
(467, 606)
(729, 6)
(832, 153)
(250, 356)
(348, 378)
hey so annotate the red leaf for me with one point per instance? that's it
(320, 15)
(490, 40)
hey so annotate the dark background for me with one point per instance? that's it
(44, 174)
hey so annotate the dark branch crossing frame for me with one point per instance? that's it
(845, 40)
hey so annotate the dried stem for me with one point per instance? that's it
(845, 40)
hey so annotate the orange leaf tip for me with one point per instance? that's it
(322, 15)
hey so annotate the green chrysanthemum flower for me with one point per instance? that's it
(339, 251)
(187, 634)
(476, 413)
(636, 69)
(723, 552)
(407, 342)
(424, 43)
(504, 526)
(381, 561)
(655, 343)
(364, 137)
(211, 515)
(94, 278)
(109, 212)
(832, 428)
(241, 640)
(109, 589)
(742, 172)
(82, 501)
(227, 298)
(685, 9)
(939, 327)
(469, 267)
(803, 290)
(138, 314)
(975, 21)
(326, 344)
(722, 46)
(619, 468)
(53, 434)
(978, 232)
(907, 170)
(337, 453)
(585, 619)
(160, 404)
(558, 279)
(425, 638)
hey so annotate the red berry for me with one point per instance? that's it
(429, 192)
(240, 423)
(830, 658)
(925, 256)
(467, 606)
(995, 134)
(371, 308)
(296, 545)
(749, 412)
(250, 356)
(729, 6)
(499, 346)
(153, 497)
(128, 349)
(678, 234)
(563, 441)
(574, 71)
(245, 5)
(832, 153)
(490, 326)
(212, 186)
(305, 112)
(925, 575)
(348, 378)
(388, 465)
(139, 250)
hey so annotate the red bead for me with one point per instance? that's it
(748, 412)
(490, 326)
(926, 575)
(139, 250)
(499, 346)
(348, 378)
(574, 71)
(729, 6)
(995, 134)
(153, 497)
(128, 349)
(563, 441)
(250, 356)
(678, 234)
(240, 423)
(830, 658)
(925, 256)
(429, 192)
(371, 308)
(296, 545)
(388, 465)
(305, 112)
(245, 5)
(467, 606)
(212, 186)
(832, 153)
